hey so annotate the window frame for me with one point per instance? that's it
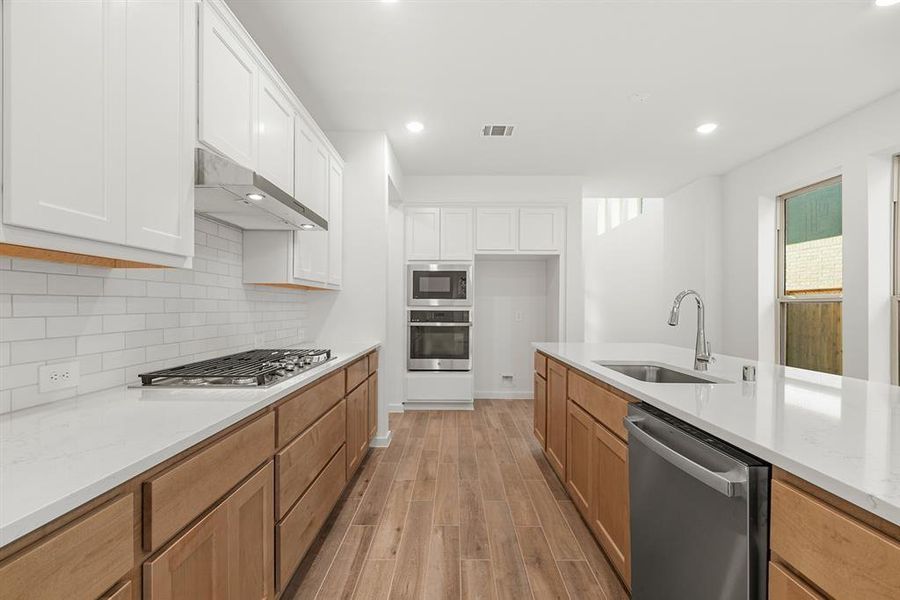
(782, 300)
(895, 269)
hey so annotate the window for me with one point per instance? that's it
(895, 305)
(612, 212)
(810, 277)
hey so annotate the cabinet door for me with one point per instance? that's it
(306, 186)
(161, 125)
(541, 229)
(609, 488)
(540, 410)
(311, 255)
(64, 65)
(335, 223)
(495, 229)
(356, 426)
(423, 233)
(251, 538)
(228, 90)
(556, 417)
(194, 566)
(275, 135)
(456, 234)
(373, 405)
(579, 436)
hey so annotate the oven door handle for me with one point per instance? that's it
(466, 324)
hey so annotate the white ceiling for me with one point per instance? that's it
(563, 72)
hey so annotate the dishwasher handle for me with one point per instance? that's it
(728, 484)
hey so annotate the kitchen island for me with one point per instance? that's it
(834, 443)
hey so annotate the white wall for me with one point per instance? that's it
(623, 277)
(359, 310)
(118, 323)
(857, 146)
(504, 290)
(537, 189)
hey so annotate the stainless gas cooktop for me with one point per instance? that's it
(253, 368)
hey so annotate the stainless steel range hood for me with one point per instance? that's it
(233, 194)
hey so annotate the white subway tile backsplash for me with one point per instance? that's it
(119, 323)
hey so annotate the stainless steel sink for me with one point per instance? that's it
(657, 373)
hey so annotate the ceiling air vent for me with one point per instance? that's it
(497, 130)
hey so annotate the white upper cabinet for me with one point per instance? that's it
(65, 156)
(275, 135)
(335, 223)
(456, 234)
(496, 229)
(541, 229)
(423, 233)
(161, 125)
(99, 127)
(311, 256)
(229, 81)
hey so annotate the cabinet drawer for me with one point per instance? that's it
(842, 556)
(299, 463)
(357, 373)
(296, 532)
(302, 410)
(784, 585)
(82, 561)
(373, 362)
(120, 592)
(177, 496)
(540, 364)
(602, 404)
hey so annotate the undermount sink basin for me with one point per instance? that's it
(656, 373)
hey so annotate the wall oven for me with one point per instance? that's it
(439, 285)
(439, 340)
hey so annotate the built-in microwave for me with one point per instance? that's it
(439, 285)
(439, 340)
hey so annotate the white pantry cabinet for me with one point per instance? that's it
(98, 129)
(541, 229)
(496, 229)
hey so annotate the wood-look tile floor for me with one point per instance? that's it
(461, 505)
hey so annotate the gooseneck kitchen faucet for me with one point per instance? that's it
(702, 354)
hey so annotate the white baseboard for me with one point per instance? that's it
(435, 405)
(508, 395)
(395, 407)
(382, 441)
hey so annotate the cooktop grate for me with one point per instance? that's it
(251, 364)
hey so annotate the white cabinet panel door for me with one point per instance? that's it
(304, 149)
(64, 116)
(456, 234)
(423, 233)
(161, 125)
(229, 78)
(335, 224)
(541, 229)
(275, 135)
(495, 229)
(311, 256)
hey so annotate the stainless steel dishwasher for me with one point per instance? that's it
(699, 512)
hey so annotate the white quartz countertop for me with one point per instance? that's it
(55, 457)
(839, 433)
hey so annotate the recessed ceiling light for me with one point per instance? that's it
(415, 127)
(707, 128)
(886, 2)
(255, 197)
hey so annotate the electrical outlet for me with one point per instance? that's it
(58, 377)
(518, 316)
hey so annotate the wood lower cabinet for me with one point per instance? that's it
(784, 585)
(357, 427)
(557, 415)
(610, 516)
(372, 411)
(228, 554)
(540, 410)
(580, 435)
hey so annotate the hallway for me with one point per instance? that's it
(461, 505)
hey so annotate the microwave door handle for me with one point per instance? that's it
(413, 324)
